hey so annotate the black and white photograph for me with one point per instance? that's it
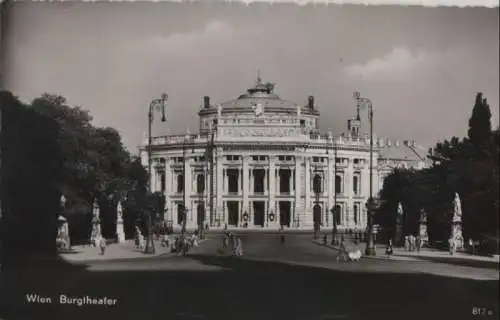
(222, 160)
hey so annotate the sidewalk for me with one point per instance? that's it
(426, 254)
(116, 251)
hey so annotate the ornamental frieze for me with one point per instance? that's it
(260, 132)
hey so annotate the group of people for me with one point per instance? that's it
(230, 239)
(413, 243)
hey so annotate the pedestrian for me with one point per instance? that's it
(389, 251)
(239, 247)
(102, 245)
(451, 245)
(407, 243)
(325, 239)
(419, 243)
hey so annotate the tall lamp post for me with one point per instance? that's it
(335, 191)
(155, 105)
(362, 103)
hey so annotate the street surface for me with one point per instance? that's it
(296, 280)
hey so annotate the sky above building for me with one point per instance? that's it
(421, 67)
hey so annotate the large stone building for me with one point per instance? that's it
(260, 162)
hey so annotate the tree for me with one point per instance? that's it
(480, 125)
(31, 170)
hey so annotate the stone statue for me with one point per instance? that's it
(95, 234)
(258, 109)
(120, 234)
(399, 224)
(422, 227)
(219, 110)
(456, 223)
(457, 208)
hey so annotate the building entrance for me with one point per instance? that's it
(285, 213)
(233, 213)
(258, 213)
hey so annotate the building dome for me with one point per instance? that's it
(262, 94)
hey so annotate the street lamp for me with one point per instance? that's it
(155, 105)
(334, 210)
(362, 103)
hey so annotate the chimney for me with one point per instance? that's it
(206, 102)
(310, 102)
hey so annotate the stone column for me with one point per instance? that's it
(245, 183)
(219, 181)
(349, 192)
(272, 184)
(251, 180)
(307, 219)
(188, 189)
(331, 185)
(168, 189)
(298, 189)
(226, 180)
(266, 181)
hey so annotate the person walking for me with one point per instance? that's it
(239, 247)
(407, 243)
(419, 243)
(389, 250)
(451, 245)
(102, 245)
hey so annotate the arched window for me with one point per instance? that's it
(317, 188)
(200, 183)
(338, 184)
(355, 184)
(180, 183)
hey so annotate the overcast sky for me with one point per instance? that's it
(421, 67)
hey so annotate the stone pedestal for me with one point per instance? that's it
(422, 231)
(456, 234)
(120, 233)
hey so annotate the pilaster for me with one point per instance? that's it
(349, 192)
(219, 181)
(307, 205)
(272, 184)
(245, 184)
(298, 189)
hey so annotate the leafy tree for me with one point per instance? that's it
(93, 163)
(480, 125)
(468, 166)
(31, 170)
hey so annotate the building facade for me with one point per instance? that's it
(261, 162)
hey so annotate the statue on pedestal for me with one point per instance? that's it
(120, 234)
(422, 227)
(95, 234)
(456, 223)
(399, 224)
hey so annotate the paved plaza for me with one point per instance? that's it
(299, 280)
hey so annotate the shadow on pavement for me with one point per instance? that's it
(458, 261)
(241, 289)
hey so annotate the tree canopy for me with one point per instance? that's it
(54, 147)
(468, 166)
